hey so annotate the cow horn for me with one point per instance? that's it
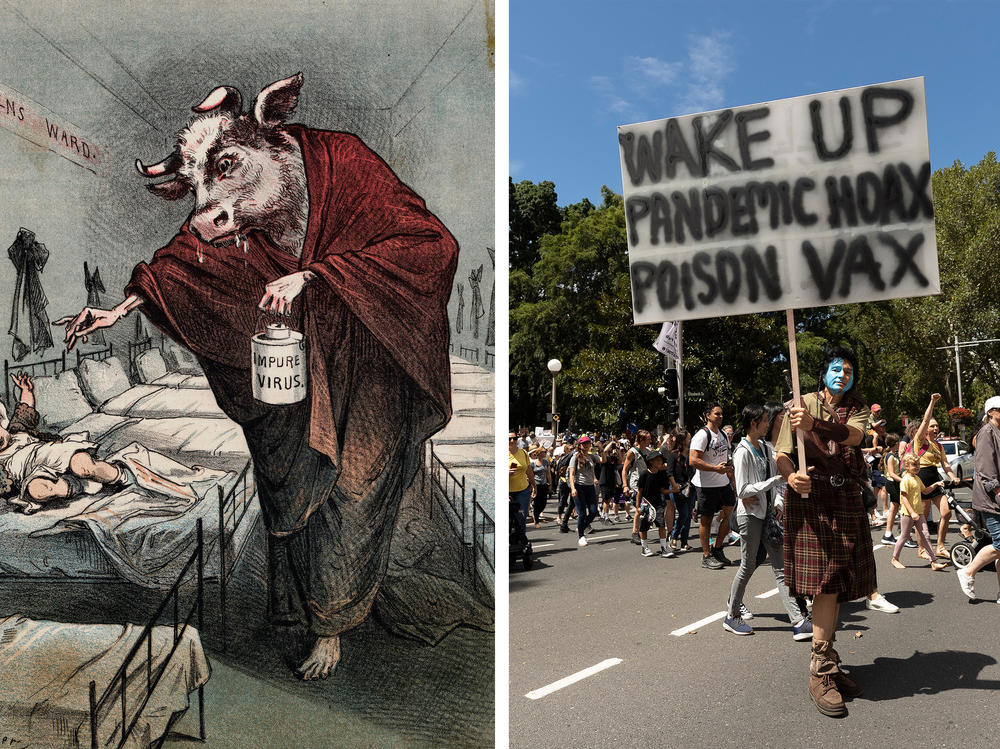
(168, 166)
(226, 97)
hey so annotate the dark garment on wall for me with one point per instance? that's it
(30, 334)
(95, 287)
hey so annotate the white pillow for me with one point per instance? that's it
(60, 401)
(150, 365)
(101, 381)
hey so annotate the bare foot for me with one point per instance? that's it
(322, 660)
(897, 564)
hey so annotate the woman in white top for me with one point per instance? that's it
(757, 482)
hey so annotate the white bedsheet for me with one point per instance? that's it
(131, 534)
(161, 402)
(218, 443)
(182, 380)
(46, 668)
(143, 533)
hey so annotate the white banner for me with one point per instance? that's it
(802, 202)
(667, 342)
(34, 122)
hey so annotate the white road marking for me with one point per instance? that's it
(537, 694)
(700, 623)
(540, 546)
(771, 592)
(877, 547)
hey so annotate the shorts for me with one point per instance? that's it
(611, 494)
(878, 478)
(893, 488)
(711, 499)
(992, 523)
(660, 521)
(929, 475)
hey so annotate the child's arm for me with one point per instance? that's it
(27, 386)
(932, 487)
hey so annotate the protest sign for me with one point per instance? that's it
(802, 202)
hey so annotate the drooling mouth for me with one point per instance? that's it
(239, 239)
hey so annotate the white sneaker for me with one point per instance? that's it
(582, 541)
(968, 583)
(647, 552)
(881, 604)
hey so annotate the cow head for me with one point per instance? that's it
(244, 169)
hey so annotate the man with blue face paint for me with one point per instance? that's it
(837, 381)
(828, 549)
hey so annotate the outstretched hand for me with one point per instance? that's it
(24, 382)
(78, 327)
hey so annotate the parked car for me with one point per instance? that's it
(960, 457)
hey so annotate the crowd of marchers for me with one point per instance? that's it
(746, 486)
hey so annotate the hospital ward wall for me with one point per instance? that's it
(126, 84)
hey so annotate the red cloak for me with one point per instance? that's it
(384, 268)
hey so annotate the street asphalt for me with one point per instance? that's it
(930, 673)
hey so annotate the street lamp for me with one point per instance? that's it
(554, 366)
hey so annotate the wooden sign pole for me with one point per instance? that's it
(793, 358)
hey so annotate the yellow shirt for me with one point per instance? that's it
(518, 479)
(932, 456)
(912, 487)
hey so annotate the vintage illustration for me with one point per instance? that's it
(246, 483)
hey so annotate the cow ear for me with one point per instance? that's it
(275, 104)
(174, 189)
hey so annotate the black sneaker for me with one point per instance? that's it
(711, 563)
(635, 539)
(564, 529)
(888, 538)
(721, 557)
(910, 544)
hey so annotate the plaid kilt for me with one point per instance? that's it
(828, 543)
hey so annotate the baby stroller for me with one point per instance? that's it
(520, 546)
(964, 550)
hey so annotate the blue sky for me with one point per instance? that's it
(580, 69)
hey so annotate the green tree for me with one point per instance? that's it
(574, 303)
(533, 214)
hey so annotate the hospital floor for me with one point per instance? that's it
(387, 691)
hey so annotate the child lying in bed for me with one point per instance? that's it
(46, 467)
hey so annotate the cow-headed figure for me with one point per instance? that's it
(283, 209)
(245, 169)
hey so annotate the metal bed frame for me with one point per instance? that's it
(98, 355)
(233, 503)
(120, 679)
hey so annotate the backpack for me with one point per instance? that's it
(722, 436)
(639, 467)
(562, 465)
(909, 448)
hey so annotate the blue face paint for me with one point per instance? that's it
(835, 380)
